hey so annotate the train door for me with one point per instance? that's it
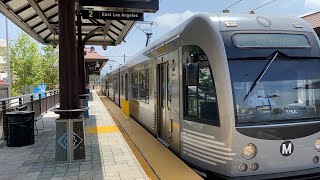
(164, 133)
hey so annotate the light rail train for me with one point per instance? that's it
(234, 95)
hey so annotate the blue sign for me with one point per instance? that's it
(63, 141)
(76, 141)
(40, 88)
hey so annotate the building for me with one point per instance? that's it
(3, 63)
(314, 20)
(94, 62)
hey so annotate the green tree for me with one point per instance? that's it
(25, 64)
(50, 66)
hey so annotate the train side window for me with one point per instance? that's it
(126, 87)
(122, 88)
(115, 85)
(144, 85)
(169, 88)
(135, 85)
(200, 100)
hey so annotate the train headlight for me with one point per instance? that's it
(317, 144)
(249, 151)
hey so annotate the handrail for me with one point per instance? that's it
(28, 95)
(32, 102)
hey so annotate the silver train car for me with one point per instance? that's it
(233, 95)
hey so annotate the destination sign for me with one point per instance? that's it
(138, 5)
(271, 41)
(107, 15)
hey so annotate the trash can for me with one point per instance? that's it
(20, 128)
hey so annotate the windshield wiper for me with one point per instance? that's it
(265, 69)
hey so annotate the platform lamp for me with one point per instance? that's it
(97, 65)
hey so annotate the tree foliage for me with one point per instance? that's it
(50, 66)
(29, 66)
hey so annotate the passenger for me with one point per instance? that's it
(259, 98)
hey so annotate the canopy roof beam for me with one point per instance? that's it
(25, 8)
(40, 19)
(43, 17)
(106, 29)
(124, 32)
(13, 18)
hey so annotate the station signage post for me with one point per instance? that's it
(151, 6)
(110, 15)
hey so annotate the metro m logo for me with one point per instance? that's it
(286, 148)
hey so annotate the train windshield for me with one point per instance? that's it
(288, 90)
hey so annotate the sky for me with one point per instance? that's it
(174, 12)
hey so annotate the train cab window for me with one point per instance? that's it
(288, 91)
(200, 102)
(135, 85)
(144, 85)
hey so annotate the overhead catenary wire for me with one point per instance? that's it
(130, 35)
(231, 5)
(119, 56)
(263, 5)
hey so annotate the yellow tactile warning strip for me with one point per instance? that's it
(103, 129)
(143, 163)
(163, 162)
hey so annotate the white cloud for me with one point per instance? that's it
(312, 3)
(172, 20)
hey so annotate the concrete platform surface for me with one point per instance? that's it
(108, 155)
(164, 163)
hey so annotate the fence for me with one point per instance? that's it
(39, 103)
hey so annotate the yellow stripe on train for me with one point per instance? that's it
(125, 107)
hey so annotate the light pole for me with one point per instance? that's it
(8, 59)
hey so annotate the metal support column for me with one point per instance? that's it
(68, 65)
(70, 144)
(82, 81)
(87, 73)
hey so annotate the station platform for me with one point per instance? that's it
(117, 147)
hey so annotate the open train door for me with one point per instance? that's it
(164, 133)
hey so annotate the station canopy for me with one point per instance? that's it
(94, 61)
(39, 18)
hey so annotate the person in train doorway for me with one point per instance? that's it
(88, 88)
(259, 98)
